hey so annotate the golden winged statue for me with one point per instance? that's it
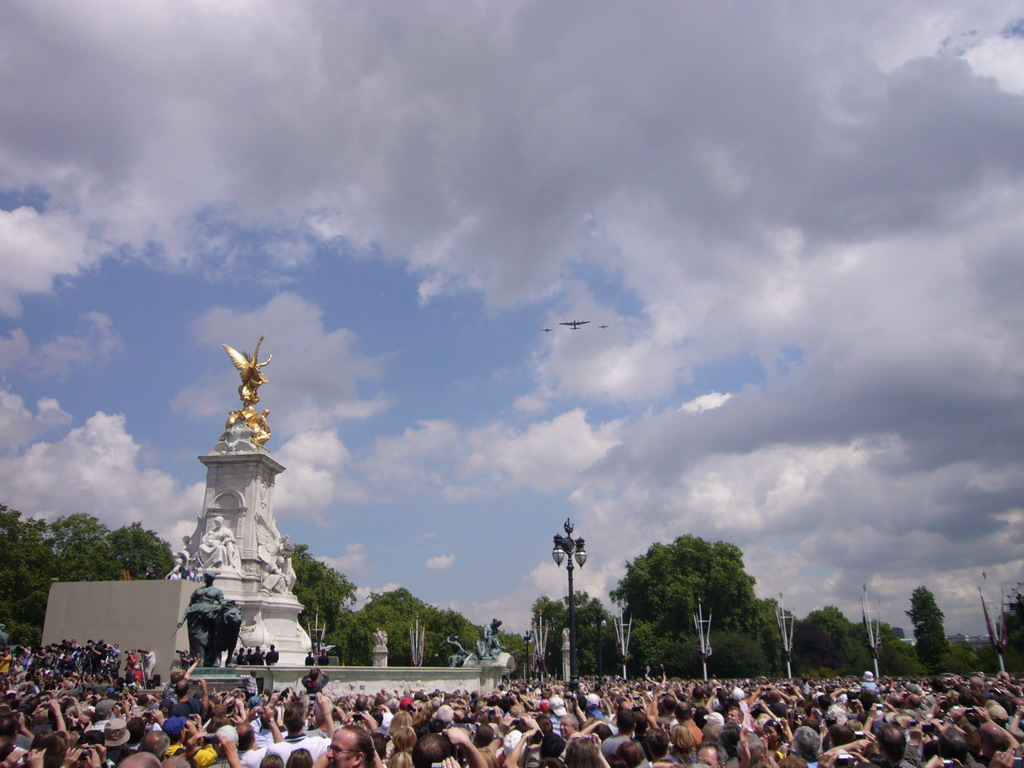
(250, 369)
(251, 372)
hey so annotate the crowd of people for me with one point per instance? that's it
(102, 664)
(66, 720)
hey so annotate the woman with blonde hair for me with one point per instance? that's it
(402, 742)
(684, 746)
(401, 719)
(583, 752)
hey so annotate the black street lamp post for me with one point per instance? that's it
(567, 548)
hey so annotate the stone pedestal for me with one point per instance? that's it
(236, 537)
(380, 657)
(566, 651)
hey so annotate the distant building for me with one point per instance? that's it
(974, 641)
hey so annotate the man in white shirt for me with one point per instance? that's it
(297, 738)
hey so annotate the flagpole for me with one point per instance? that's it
(872, 628)
(704, 636)
(786, 627)
(997, 629)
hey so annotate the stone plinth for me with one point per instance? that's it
(133, 614)
(380, 657)
(343, 681)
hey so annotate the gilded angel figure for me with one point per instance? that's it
(251, 372)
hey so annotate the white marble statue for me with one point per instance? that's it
(275, 553)
(380, 638)
(219, 548)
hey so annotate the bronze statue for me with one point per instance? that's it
(489, 646)
(213, 623)
(460, 654)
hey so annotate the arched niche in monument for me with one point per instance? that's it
(229, 500)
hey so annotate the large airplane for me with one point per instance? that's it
(575, 324)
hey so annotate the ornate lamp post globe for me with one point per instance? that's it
(567, 549)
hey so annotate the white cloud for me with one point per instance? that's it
(1002, 58)
(833, 239)
(418, 456)
(363, 593)
(19, 425)
(707, 402)
(95, 343)
(491, 458)
(95, 469)
(14, 349)
(546, 456)
(35, 249)
(317, 474)
(314, 371)
(385, 156)
(440, 563)
(354, 561)
(816, 521)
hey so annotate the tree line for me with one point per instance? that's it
(76, 547)
(659, 592)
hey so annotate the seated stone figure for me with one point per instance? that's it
(219, 548)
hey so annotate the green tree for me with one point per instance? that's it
(325, 593)
(80, 547)
(960, 659)
(662, 587)
(929, 631)
(24, 575)
(814, 648)
(854, 656)
(136, 549)
(590, 612)
(897, 657)
(735, 655)
(395, 612)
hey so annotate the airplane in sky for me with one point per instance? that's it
(547, 330)
(575, 324)
(602, 326)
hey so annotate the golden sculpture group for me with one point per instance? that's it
(251, 371)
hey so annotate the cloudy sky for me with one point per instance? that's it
(801, 223)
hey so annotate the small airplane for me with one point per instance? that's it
(547, 330)
(575, 324)
(602, 326)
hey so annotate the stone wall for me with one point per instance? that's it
(133, 614)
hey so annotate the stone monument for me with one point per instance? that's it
(380, 648)
(236, 536)
(488, 651)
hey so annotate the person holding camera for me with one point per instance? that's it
(315, 681)
(297, 738)
(186, 704)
